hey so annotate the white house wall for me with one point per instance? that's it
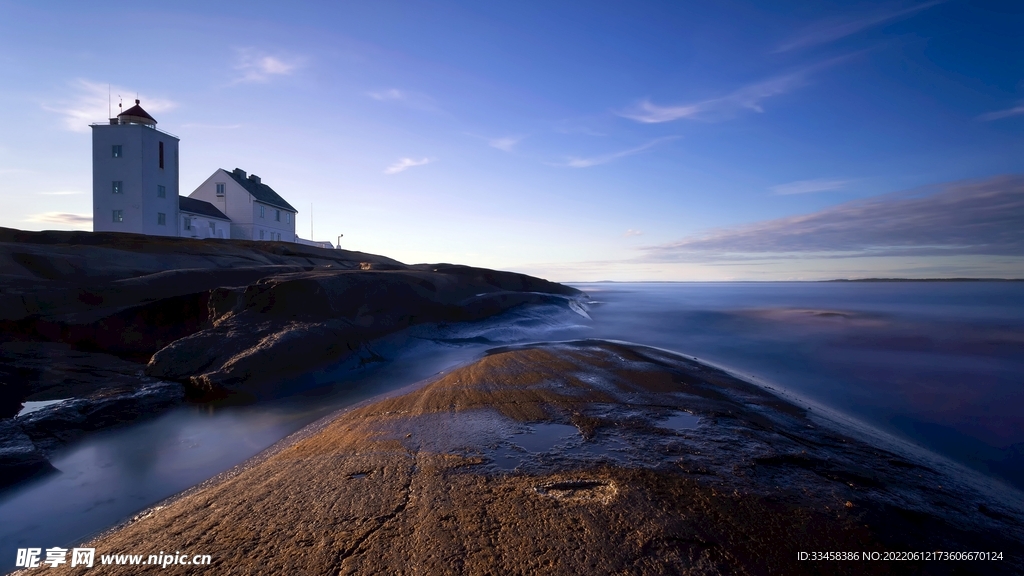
(201, 226)
(244, 211)
(266, 221)
(139, 171)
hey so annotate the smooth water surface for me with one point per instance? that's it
(938, 363)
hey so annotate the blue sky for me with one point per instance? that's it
(571, 140)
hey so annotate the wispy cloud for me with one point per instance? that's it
(62, 193)
(825, 31)
(211, 126)
(406, 163)
(88, 103)
(577, 162)
(414, 100)
(1015, 111)
(61, 218)
(966, 218)
(632, 232)
(507, 143)
(808, 186)
(256, 66)
(746, 98)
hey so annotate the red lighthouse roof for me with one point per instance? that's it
(135, 115)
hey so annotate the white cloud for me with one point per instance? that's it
(576, 162)
(89, 104)
(414, 100)
(406, 163)
(386, 95)
(808, 186)
(826, 31)
(256, 66)
(211, 126)
(61, 218)
(746, 98)
(961, 218)
(1015, 111)
(506, 143)
(632, 232)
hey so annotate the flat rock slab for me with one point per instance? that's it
(588, 457)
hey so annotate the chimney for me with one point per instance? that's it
(238, 172)
(254, 178)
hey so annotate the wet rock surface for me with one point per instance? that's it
(584, 457)
(119, 325)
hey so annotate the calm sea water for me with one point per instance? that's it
(938, 364)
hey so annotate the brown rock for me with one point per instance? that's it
(569, 459)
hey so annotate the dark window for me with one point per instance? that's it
(278, 216)
(161, 191)
(261, 234)
(161, 154)
(161, 218)
(116, 151)
(263, 211)
(188, 223)
(220, 190)
(118, 187)
(118, 215)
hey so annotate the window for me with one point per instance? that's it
(261, 234)
(277, 216)
(287, 217)
(161, 219)
(161, 191)
(213, 226)
(220, 190)
(115, 151)
(263, 211)
(118, 187)
(118, 215)
(161, 154)
(188, 223)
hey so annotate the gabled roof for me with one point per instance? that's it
(200, 207)
(259, 190)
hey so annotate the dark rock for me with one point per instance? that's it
(55, 426)
(288, 324)
(20, 459)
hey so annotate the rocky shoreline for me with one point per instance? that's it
(579, 457)
(123, 326)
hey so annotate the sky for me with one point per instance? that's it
(576, 141)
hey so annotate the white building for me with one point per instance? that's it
(134, 176)
(255, 210)
(201, 220)
(135, 189)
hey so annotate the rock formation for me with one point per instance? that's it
(587, 457)
(112, 320)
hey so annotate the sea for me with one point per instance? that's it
(938, 366)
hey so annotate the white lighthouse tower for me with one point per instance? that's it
(134, 176)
